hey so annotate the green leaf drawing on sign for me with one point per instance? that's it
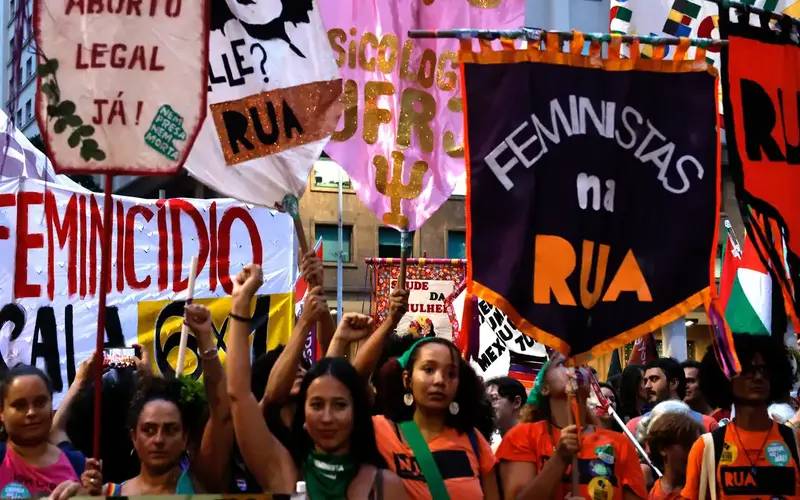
(63, 113)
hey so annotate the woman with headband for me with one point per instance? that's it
(434, 401)
(536, 457)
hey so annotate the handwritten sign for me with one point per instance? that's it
(122, 85)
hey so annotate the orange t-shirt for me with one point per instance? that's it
(764, 468)
(453, 453)
(656, 493)
(607, 462)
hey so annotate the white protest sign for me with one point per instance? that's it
(426, 310)
(273, 99)
(122, 84)
(50, 282)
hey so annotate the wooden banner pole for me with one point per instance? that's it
(105, 276)
(185, 327)
(401, 280)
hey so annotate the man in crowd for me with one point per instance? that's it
(507, 396)
(694, 396)
(754, 457)
(665, 380)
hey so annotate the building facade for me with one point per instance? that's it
(19, 80)
(364, 236)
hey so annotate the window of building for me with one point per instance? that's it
(28, 110)
(456, 245)
(389, 242)
(327, 174)
(19, 116)
(29, 68)
(330, 241)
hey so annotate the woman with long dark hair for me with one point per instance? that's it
(334, 449)
(437, 414)
(30, 465)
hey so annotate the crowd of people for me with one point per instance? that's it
(405, 416)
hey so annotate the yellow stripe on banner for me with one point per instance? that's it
(281, 320)
(793, 10)
(675, 16)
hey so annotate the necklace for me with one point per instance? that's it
(744, 450)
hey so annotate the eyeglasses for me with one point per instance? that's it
(751, 370)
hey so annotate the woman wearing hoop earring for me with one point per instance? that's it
(434, 405)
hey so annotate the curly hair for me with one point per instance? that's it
(362, 440)
(716, 386)
(475, 410)
(157, 389)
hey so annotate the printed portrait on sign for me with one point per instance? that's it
(261, 19)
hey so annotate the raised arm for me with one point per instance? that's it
(352, 328)
(369, 353)
(218, 434)
(265, 456)
(314, 273)
(58, 429)
(284, 372)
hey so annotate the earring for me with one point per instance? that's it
(454, 408)
(408, 399)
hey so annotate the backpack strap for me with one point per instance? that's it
(427, 464)
(708, 473)
(790, 438)
(718, 435)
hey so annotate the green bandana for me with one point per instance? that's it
(535, 396)
(403, 360)
(328, 476)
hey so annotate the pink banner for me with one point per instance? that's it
(401, 136)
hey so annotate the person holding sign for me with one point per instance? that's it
(429, 435)
(334, 445)
(536, 457)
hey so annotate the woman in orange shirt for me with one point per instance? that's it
(536, 457)
(433, 401)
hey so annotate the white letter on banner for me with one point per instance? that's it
(501, 170)
(519, 149)
(627, 125)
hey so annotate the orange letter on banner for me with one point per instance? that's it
(629, 278)
(589, 299)
(553, 262)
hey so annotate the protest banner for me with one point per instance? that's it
(121, 85)
(503, 350)
(615, 227)
(760, 78)
(49, 284)
(273, 99)
(429, 281)
(401, 136)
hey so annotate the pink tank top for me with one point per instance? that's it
(18, 479)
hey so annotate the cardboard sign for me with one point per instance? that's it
(122, 85)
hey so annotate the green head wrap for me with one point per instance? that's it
(406, 356)
(535, 396)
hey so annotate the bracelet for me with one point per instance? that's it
(240, 318)
(209, 354)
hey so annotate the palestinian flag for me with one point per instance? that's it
(745, 289)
